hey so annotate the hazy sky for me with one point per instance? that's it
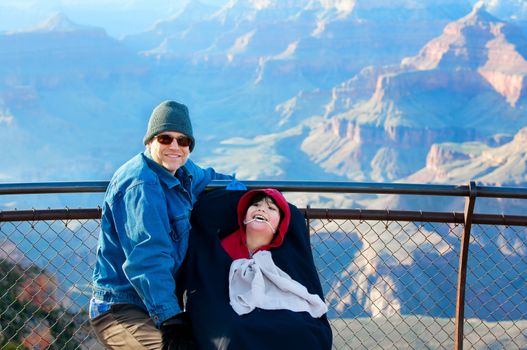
(118, 17)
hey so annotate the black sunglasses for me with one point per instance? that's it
(183, 141)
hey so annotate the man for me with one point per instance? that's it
(144, 234)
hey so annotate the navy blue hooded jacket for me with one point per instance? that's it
(205, 279)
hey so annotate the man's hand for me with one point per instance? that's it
(177, 333)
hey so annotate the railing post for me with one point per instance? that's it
(307, 219)
(463, 259)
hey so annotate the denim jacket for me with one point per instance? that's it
(144, 234)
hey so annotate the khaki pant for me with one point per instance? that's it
(127, 327)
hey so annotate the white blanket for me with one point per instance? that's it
(258, 282)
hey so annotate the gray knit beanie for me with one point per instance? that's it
(169, 116)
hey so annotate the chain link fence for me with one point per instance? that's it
(45, 269)
(390, 284)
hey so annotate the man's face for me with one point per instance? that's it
(171, 156)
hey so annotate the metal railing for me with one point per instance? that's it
(393, 278)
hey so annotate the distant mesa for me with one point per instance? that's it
(454, 163)
(58, 22)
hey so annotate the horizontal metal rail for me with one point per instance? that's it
(53, 187)
(288, 186)
(50, 214)
(309, 213)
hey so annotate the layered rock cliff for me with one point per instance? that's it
(464, 86)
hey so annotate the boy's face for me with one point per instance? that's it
(265, 215)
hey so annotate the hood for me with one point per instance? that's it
(243, 204)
